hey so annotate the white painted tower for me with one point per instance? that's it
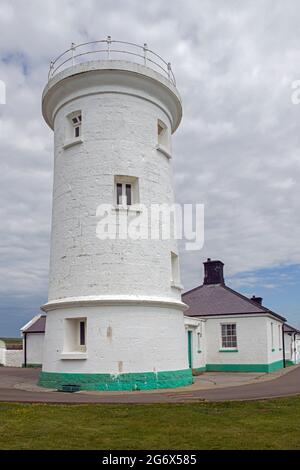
(114, 313)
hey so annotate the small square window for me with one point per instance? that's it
(127, 191)
(75, 335)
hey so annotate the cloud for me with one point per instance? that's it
(236, 151)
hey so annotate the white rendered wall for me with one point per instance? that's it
(253, 341)
(12, 357)
(119, 340)
(34, 348)
(119, 133)
(292, 347)
(198, 355)
(275, 350)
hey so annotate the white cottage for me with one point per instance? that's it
(291, 344)
(227, 331)
(33, 341)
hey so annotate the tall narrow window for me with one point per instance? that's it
(128, 194)
(76, 123)
(162, 134)
(119, 193)
(272, 335)
(82, 333)
(174, 268)
(229, 338)
(199, 341)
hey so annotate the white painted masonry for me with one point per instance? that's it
(34, 348)
(253, 340)
(198, 329)
(10, 357)
(122, 288)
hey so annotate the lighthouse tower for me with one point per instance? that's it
(114, 311)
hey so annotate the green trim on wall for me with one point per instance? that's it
(245, 367)
(198, 370)
(32, 365)
(228, 350)
(108, 382)
(288, 362)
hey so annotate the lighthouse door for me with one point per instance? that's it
(190, 354)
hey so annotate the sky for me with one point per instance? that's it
(237, 150)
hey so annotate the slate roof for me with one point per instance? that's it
(36, 327)
(290, 329)
(218, 299)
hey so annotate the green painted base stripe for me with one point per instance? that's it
(32, 365)
(109, 382)
(288, 363)
(244, 367)
(198, 370)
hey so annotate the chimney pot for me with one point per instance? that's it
(258, 300)
(213, 272)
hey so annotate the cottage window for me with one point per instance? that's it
(229, 338)
(272, 335)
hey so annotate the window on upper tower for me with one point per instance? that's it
(174, 269)
(76, 123)
(126, 190)
(162, 135)
(73, 132)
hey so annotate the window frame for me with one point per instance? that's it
(229, 341)
(129, 195)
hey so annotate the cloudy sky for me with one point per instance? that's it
(237, 149)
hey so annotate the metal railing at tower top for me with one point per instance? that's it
(109, 49)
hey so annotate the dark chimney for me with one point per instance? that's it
(213, 272)
(258, 300)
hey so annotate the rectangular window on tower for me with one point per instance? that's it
(162, 134)
(174, 270)
(73, 134)
(126, 190)
(74, 337)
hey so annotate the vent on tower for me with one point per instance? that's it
(213, 272)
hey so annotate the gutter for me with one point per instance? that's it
(25, 349)
(283, 346)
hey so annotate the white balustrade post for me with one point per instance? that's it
(72, 52)
(145, 53)
(108, 40)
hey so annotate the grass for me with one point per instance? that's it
(270, 424)
(14, 341)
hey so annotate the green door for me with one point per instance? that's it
(190, 354)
